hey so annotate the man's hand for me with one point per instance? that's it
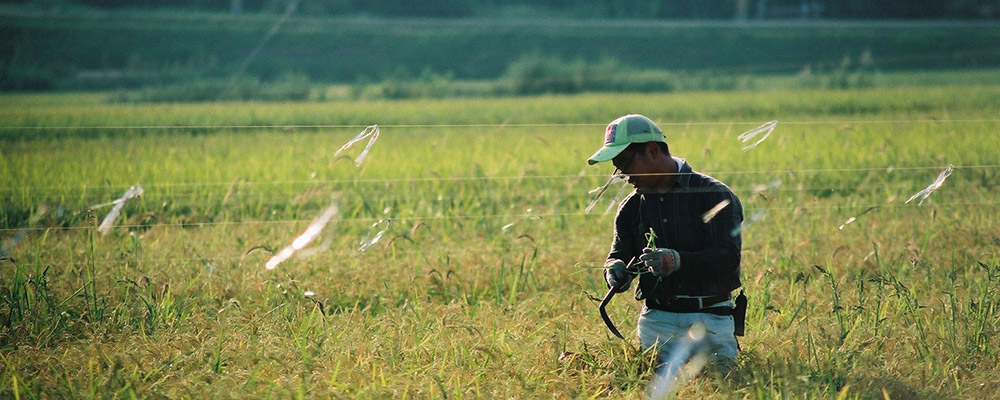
(660, 262)
(616, 275)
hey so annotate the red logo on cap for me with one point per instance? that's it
(609, 134)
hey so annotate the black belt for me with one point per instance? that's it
(691, 304)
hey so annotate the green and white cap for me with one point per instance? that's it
(620, 133)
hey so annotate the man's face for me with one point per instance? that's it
(630, 163)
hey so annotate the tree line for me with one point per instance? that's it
(614, 9)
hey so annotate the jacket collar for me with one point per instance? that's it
(683, 173)
(682, 180)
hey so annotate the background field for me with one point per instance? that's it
(124, 50)
(175, 301)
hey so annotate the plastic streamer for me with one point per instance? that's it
(12, 242)
(372, 236)
(761, 188)
(848, 222)
(714, 211)
(372, 132)
(688, 355)
(923, 194)
(855, 218)
(306, 253)
(109, 220)
(617, 199)
(757, 216)
(21, 234)
(616, 177)
(314, 229)
(765, 129)
(289, 9)
(531, 214)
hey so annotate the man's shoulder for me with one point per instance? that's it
(629, 204)
(698, 179)
(630, 199)
(708, 184)
(701, 179)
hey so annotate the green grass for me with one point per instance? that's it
(175, 301)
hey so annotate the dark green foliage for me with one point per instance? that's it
(290, 87)
(401, 85)
(674, 9)
(849, 74)
(535, 74)
(143, 49)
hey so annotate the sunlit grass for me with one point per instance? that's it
(176, 301)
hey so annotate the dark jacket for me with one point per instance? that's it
(709, 251)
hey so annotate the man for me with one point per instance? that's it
(683, 248)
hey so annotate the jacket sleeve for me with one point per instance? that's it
(721, 254)
(623, 245)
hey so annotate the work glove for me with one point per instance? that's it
(660, 262)
(616, 275)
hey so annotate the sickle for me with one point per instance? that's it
(604, 313)
(604, 304)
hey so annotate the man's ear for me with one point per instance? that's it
(651, 148)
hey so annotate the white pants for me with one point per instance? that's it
(672, 333)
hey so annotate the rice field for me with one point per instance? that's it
(481, 284)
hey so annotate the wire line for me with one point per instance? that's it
(496, 125)
(486, 178)
(518, 216)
